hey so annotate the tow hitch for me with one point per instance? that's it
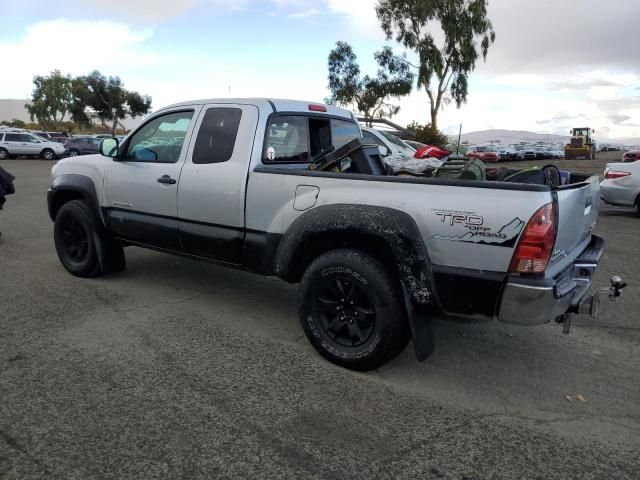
(590, 304)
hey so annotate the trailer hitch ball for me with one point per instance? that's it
(617, 285)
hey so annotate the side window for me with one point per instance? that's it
(371, 139)
(343, 132)
(287, 140)
(12, 137)
(217, 135)
(161, 139)
(95, 141)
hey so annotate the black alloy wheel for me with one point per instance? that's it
(75, 240)
(346, 311)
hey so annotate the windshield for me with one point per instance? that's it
(403, 147)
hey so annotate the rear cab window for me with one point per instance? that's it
(302, 138)
(217, 135)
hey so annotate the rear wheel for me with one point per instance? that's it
(350, 310)
(74, 153)
(4, 154)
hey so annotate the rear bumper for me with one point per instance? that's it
(537, 301)
(616, 194)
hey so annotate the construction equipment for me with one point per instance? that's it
(581, 144)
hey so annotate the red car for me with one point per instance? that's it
(631, 156)
(483, 153)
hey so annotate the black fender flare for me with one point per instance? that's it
(79, 186)
(394, 227)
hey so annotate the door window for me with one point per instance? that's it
(343, 132)
(161, 139)
(30, 139)
(14, 137)
(287, 140)
(217, 135)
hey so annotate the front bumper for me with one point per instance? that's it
(537, 301)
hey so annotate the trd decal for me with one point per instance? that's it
(477, 232)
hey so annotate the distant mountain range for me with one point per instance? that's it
(507, 137)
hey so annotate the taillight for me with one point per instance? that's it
(611, 174)
(536, 243)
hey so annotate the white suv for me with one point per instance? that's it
(23, 143)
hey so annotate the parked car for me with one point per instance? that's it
(506, 154)
(486, 154)
(631, 156)
(392, 144)
(542, 154)
(102, 135)
(50, 135)
(376, 256)
(527, 153)
(82, 146)
(621, 185)
(21, 143)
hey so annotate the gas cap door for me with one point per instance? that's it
(306, 197)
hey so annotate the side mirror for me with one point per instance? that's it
(109, 147)
(384, 151)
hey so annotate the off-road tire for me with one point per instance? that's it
(380, 337)
(48, 154)
(81, 250)
(4, 154)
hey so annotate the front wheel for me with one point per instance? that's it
(350, 310)
(4, 154)
(80, 249)
(48, 154)
(74, 153)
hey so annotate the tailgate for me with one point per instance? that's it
(577, 214)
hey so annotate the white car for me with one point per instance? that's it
(621, 185)
(394, 145)
(26, 144)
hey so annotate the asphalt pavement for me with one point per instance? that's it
(179, 369)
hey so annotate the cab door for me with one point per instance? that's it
(212, 186)
(141, 184)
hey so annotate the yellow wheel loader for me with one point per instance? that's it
(581, 144)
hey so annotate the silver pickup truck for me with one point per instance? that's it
(376, 256)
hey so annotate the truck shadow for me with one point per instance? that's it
(493, 368)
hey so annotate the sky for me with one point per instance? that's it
(556, 64)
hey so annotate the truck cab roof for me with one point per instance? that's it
(275, 105)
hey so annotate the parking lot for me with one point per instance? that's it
(179, 369)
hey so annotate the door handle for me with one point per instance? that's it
(167, 180)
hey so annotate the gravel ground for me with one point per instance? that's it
(178, 369)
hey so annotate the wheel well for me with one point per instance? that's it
(63, 197)
(314, 246)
